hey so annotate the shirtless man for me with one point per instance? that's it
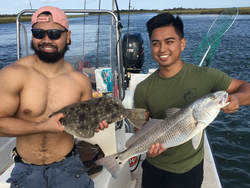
(31, 89)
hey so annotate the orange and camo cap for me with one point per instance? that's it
(58, 16)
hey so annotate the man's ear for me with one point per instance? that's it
(183, 44)
(69, 37)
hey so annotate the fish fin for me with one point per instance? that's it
(83, 134)
(135, 116)
(171, 111)
(112, 163)
(147, 127)
(196, 140)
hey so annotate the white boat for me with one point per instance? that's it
(113, 139)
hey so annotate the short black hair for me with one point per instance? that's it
(163, 20)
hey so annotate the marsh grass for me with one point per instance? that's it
(242, 10)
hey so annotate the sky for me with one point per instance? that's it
(15, 6)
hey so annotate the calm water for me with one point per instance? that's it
(229, 134)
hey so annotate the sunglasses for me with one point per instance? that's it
(53, 34)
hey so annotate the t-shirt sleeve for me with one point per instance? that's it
(219, 80)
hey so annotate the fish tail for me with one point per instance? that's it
(136, 116)
(112, 163)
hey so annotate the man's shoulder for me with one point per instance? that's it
(202, 70)
(191, 66)
(24, 62)
(149, 78)
(16, 68)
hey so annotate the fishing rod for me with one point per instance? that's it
(118, 16)
(98, 33)
(120, 66)
(128, 17)
(126, 63)
(80, 63)
(84, 23)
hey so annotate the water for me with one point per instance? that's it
(229, 134)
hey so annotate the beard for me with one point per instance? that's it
(48, 57)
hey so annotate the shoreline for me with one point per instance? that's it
(4, 19)
(179, 11)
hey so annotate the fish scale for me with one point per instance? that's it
(168, 134)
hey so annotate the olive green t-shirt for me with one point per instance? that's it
(155, 94)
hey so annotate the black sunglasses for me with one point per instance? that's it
(53, 34)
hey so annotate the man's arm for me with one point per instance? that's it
(11, 85)
(239, 95)
(14, 127)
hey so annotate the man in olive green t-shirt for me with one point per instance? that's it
(174, 85)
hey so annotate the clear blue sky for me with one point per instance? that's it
(15, 6)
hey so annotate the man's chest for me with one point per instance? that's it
(42, 99)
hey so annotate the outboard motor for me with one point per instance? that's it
(133, 52)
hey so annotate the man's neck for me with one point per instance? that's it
(170, 71)
(49, 69)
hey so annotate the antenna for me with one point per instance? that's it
(30, 4)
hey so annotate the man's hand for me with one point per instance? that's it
(53, 124)
(103, 125)
(233, 106)
(155, 150)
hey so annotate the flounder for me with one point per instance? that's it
(83, 118)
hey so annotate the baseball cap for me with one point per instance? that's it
(58, 15)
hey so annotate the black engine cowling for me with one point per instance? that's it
(133, 52)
